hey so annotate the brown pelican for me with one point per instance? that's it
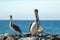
(13, 26)
(35, 27)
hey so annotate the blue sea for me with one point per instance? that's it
(50, 26)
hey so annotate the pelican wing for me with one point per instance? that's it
(33, 29)
(17, 28)
(40, 29)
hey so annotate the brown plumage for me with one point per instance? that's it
(13, 26)
(16, 28)
(35, 27)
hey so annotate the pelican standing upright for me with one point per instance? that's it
(35, 27)
(13, 26)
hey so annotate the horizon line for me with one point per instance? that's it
(7, 19)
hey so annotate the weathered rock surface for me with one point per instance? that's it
(1, 36)
(41, 36)
(11, 38)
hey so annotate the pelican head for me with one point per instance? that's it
(10, 15)
(36, 15)
(36, 12)
(10, 18)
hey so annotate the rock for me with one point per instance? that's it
(14, 35)
(42, 35)
(1, 36)
(55, 38)
(27, 38)
(11, 38)
(54, 35)
(27, 35)
(58, 36)
(17, 36)
(8, 35)
(5, 38)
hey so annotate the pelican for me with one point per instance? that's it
(35, 27)
(13, 26)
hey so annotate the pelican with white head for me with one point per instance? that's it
(13, 26)
(35, 27)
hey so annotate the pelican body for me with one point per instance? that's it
(35, 27)
(13, 26)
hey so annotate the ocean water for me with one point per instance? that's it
(50, 26)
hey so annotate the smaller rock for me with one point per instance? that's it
(54, 35)
(8, 35)
(5, 38)
(58, 36)
(27, 35)
(1, 36)
(55, 38)
(17, 36)
(27, 38)
(42, 35)
(11, 38)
